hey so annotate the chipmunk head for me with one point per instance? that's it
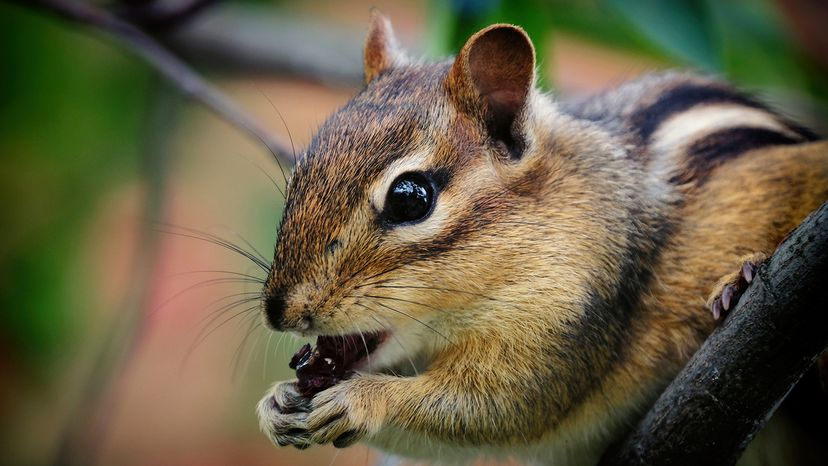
(419, 203)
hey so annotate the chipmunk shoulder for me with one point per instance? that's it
(524, 275)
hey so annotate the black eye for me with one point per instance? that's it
(410, 198)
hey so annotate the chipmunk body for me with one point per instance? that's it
(532, 273)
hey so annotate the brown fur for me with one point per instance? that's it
(560, 281)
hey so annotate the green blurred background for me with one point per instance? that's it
(102, 162)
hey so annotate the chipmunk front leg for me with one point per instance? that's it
(467, 397)
(460, 403)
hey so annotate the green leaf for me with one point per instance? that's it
(680, 27)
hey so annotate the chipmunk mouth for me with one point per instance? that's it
(334, 358)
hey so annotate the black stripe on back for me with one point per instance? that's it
(718, 147)
(647, 120)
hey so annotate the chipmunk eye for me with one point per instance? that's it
(410, 198)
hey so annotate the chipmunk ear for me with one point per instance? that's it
(381, 48)
(491, 79)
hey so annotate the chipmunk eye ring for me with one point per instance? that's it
(410, 198)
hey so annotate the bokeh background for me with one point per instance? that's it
(118, 345)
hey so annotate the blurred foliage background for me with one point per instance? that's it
(100, 160)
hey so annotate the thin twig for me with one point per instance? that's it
(173, 69)
(158, 16)
(247, 38)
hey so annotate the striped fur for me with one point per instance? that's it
(560, 280)
(684, 126)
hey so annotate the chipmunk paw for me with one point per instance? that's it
(339, 416)
(283, 414)
(729, 289)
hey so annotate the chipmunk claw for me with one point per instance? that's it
(341, 415)
(730, 292)
(749, 271)
(716, 309)
(332, 421)
(283, 414)
(729, 288)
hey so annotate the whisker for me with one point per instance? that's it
(201, 339)
(202, 284)
(388, 270)
(361, 336)
(234, 361)
(414, 319)
(357, 272)
(252, 278)
(267, 355)
(404, 301)
(238, 354)
(374, 283)
(244, 298)
(253, 248)
(405, 350)
(451, 290)
(265, 173)
(284, 123)
(253, 353)
(282, 343)
(215, 240)
(275, 156)
(387, 325)
(227, 245)
(336, 455)
(215, 314)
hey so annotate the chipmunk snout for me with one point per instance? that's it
(274, 308)
(283, 313)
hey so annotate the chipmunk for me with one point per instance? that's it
(507, 275)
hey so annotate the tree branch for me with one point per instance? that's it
(173, 69)
(740, 375)
(251, 38)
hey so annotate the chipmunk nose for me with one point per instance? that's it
(274, 307)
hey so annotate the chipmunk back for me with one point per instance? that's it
(501, 274)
